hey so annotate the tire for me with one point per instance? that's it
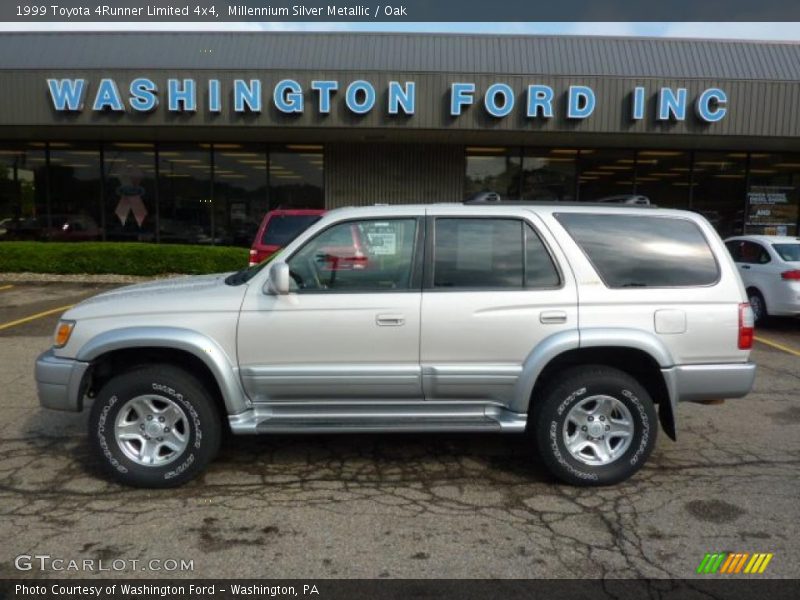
(759, 306)
(601, 399)
(178, 417)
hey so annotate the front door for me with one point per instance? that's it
(492, 294)
(349, 329)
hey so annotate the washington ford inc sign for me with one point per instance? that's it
(142, 95)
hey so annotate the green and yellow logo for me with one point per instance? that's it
(734, 563)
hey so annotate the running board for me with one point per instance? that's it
(376, 417)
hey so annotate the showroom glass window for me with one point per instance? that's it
(773, 194)
(549, 174)
(23, 200)
(130, 192)
(240, 192)
(357, 256)
(187, 214)
(296, 176)
(664, 177)
(718, 192)
(605, 173)
(493, 169)
(75, 193)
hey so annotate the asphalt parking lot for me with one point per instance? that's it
(401, 506)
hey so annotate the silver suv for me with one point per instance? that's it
(576, 323)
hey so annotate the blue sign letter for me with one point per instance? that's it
(540, 96)
(490, 100)
(460, 95)
(107, 96)
(670, 105)
(67, 94)
(398, 96)
(580, 102)
(143, 95)
(638, 103)
(184, 99)
(325, 89)
(288, 96)
(704, 106)
(214, 96)
(351, 98)
(244, 94)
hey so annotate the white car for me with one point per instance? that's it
(770, 270)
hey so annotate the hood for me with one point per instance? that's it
(200, 293)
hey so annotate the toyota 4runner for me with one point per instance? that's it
(583, 324)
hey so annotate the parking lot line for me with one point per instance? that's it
(34, 317)
(6, 287)
(778, 346)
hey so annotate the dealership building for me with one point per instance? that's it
(192, 137)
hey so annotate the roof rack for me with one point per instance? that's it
(628, 201)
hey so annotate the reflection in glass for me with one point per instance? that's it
(605, 173)
(185, 196)
(663, 176)
(549, 175)
(130, 205)
(75, 193)
(493, 170)
(23, 208)
(296, 177)
(718, 192)
(240, 192)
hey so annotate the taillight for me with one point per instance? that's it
(746, 323)
(791, 275)
(253, 257)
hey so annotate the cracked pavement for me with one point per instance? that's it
(455, 506)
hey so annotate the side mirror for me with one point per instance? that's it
(278, 282)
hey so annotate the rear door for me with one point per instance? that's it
(492, 293)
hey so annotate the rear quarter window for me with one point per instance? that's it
(632, 251)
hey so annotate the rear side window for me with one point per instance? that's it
(643, 251)
(282, 229)
(474, 253)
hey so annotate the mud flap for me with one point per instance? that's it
(666, 417)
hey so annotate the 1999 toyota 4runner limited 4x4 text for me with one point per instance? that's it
(585, 324)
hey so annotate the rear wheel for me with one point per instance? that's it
(756, 300)
(154, 426)
(594, 425)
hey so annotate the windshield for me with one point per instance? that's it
(282, 229)
(788, 252)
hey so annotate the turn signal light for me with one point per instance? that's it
(63, 331)
(746, 325)
(791, 275)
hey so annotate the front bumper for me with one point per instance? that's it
(58, 382)
(696, 383)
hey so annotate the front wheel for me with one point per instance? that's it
(594, 426)
(154, 426)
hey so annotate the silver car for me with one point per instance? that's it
(583, 324)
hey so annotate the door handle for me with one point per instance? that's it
(745, 266)
(390, 320)
(549, 317)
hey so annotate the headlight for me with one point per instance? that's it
(63, 331)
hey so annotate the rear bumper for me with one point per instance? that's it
(696, 383)
(58, 382)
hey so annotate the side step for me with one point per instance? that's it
(376, 417)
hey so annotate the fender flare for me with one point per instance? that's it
(201, 346)
(558, 343)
